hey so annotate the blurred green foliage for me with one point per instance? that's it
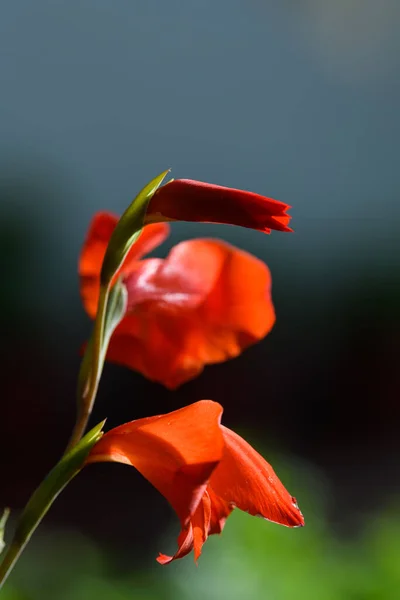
(252, 560)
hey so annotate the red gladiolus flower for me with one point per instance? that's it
(202, 468)
(205, 303)
(187, 200)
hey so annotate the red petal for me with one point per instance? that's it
(204, 304)
(220, 511)
(100, 230)
(185, 545)
(194, 535)
(182, 280)
(176, 452)
(244, 479)
(94, 248)
(187, 200)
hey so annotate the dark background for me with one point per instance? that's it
(297, 100)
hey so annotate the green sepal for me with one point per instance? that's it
(128, 230)
(116, 308)
(114, 313)
(3, 521)
(40, 502)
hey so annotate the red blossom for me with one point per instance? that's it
(205, 303)
(202, 468)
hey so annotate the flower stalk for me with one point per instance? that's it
(210, 301)
(90, 372)
(42, 499)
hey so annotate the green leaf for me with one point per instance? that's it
(3, 521)
(53, 484)
(128, 230)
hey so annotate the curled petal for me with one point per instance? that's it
(185, 546)
(194, 535)
(176, 452)
(244, 479)
(187, 200)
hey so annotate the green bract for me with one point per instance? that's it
(114, 313)
(128, 229)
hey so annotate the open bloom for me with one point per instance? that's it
(202, 468)
(204, 303)
(187, 200)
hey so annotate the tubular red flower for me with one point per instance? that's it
(205, 303)
(202, 468)
(187, 200)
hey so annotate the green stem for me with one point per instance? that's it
(42, 499)
(110, 311)
(87, 394)
(12, 555)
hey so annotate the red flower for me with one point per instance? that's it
(202, 468)
(204, 303)
(187, 200)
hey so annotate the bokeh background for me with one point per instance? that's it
(298, 100)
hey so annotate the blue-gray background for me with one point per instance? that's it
(298, 100)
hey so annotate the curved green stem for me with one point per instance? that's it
(89, 382)
(77, 449)
(97, 346)
(44, 496)
(111, 309)
(12, 555)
